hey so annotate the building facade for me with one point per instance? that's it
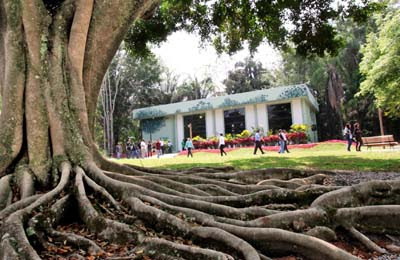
(269, 109)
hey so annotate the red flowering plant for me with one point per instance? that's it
(297, 138)
(298, 134)
(197, 144)
(245, 141)
(271, 140)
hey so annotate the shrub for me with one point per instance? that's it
(298, 128)
(197, 138)
(245, 133)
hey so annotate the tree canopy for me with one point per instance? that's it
(247, 76)
(228, 24)
(381, 62)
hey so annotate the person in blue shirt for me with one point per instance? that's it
(257, 139)
(189, 146)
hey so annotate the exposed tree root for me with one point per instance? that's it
(76, 240)
(18, 205)
(153, 246)
(173, 223)
(5, 191)
(366, 241)
(26, 183)
(13, 229)
(221, 219)
(97, 188)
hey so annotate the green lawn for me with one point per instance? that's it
(323, 156)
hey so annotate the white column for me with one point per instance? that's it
(297, 112)
(219, 122)
(209, 123)
(262, 116)
(180, 134)
(250, 117)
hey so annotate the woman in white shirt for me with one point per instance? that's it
(222, 144)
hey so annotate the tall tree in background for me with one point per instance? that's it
(247, 76)
(108, 96)
(381, 63)
(130, 83)
(336, 80)
(192, 89)
(323, 77)
(53, 58)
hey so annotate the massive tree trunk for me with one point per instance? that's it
(53, 56)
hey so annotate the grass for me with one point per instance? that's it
(323, 156)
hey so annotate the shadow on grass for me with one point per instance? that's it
(313, 162)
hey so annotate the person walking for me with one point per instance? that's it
(162, 146)
(222, 144)
(189, 146)
(118, 149)
(143, 149)
(158, 148)
(128, 148)
(257, 139)
(348, 136)
(169, 146)
(134, 150)
(357, 135)
(281, 141)
(183, 144)
(149, 149)
(285, 139)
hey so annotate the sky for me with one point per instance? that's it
(182, 54)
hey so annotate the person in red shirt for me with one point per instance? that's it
(158, 148)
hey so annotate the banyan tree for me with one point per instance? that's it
(53, 57)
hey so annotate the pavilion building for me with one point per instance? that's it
(267, 109)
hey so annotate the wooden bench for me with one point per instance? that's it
(383, 140)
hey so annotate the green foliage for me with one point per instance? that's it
(228, 24)
(192, 89)
(317, 72)
(134, 83)
(152, 125)
(381, 63)
(247, 76)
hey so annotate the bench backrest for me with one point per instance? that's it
(378, 139)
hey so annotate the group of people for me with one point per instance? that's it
(283, 143)
(188, 146)
(143, 149)
(352, 133)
